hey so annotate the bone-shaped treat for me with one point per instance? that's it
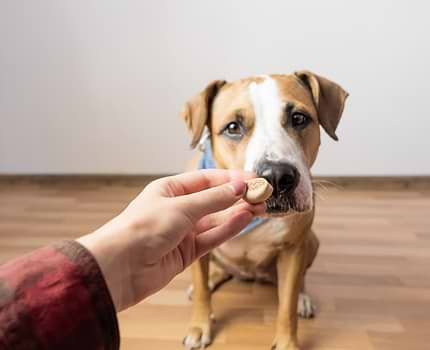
(258, 190)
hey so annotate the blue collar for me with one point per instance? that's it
(207, 162)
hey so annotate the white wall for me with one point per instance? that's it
(95, 86)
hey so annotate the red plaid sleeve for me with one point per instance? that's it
(56, 298)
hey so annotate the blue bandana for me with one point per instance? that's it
(207, 162)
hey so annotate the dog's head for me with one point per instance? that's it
(269, 125)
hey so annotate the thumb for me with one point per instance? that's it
(199, 204)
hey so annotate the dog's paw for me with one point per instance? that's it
(305, 308)
(198, 337)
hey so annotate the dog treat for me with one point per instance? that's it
(258, 190)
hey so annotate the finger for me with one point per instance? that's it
(216, 219)
(200, 180)
(214, 237)
(199, 204)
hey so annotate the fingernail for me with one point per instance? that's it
(239, 187)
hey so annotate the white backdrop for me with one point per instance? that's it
(95, 86)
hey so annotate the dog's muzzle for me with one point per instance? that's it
(284, 178)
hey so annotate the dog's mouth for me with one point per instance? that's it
(283, 205)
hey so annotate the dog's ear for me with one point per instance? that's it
(197, 111)
(329, 99)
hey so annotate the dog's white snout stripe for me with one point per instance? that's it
(267, 109)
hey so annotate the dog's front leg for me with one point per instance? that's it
(199, 333)
(290, 266)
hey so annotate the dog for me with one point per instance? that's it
(269, 125)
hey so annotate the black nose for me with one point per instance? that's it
(283, 177)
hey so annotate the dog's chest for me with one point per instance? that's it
(251, 256)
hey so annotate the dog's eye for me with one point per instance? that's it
(299, 120)
(234, 130)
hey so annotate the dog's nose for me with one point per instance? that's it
(284, 177)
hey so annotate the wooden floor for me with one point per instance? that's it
(370, 282)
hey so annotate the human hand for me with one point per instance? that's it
(171, 223)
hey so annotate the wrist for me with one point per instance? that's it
(108, 245)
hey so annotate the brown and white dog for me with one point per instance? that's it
(269, 125)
